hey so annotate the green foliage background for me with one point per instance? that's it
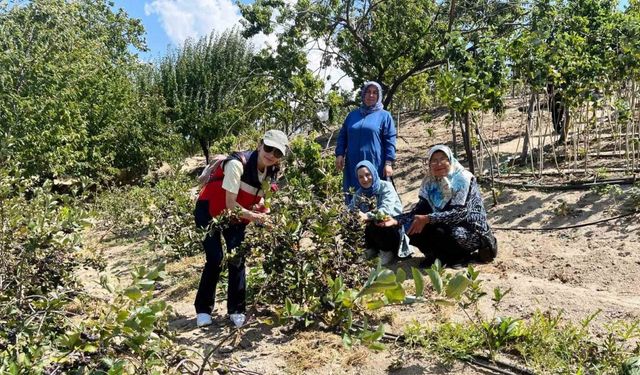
(76, 105)
(74, 99)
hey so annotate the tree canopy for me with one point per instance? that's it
(206, 86)
(67, 93)
(386, 41)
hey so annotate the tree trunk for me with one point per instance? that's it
(567, 119)
(466, 139)
(525, 143)
(204, 145)
(453, 133)
(491, 167)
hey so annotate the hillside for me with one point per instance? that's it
(574, 272)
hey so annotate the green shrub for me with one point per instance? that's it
(172, 226)
(39, 237)
(162, 210)
(127, 335)
(124, 211)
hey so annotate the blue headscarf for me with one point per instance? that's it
(375, 185)
(438, 191)
(376, 107)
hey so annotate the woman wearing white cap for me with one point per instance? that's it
(235, 183)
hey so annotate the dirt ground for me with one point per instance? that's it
(578, 271)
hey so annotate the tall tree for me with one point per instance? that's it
(387, 41)
(66, 94)
(475, 79)
(207, 86)
(572, 51)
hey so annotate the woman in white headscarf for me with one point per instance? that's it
(449, 222)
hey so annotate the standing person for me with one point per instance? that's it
(368, 133)
(236, 183)
(372, 196)
(449, 221)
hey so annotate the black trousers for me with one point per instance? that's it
(237, 284)
(382, 238)
(437, 240)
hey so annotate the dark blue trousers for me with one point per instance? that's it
(237, 285)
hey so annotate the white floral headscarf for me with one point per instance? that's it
(438, 191)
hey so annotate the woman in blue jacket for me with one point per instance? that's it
(376, 196)
(368, 133)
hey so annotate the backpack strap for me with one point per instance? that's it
(216, 162)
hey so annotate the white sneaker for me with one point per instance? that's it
(203, 320)
(386, 257)
(237, 319)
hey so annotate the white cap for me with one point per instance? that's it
(277, 139)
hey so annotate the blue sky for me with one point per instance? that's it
(170, 22)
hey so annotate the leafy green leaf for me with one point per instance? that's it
(396, 294)
(376, 288)
(457, 285)
(379, 332)
(401, 276)
(436, 280)
(443, 302)
(133, 293)
(418, 280)
(377, 346)
(385, 276)
(346, 340)
(374, 304)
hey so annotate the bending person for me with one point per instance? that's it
(376, 196)
(368, 133)
(449, 221)
(235, 184)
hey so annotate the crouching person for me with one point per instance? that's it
(449, 221)
(235, 183)
(375, 200)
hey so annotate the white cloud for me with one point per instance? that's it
(330, 75)
(261, 40)
(182, 19)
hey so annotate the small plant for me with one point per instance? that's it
(631, 366)
(415, 335)
(613, 191)
(429, 131)
(601, 173)
(500, 332)
(563, 209)
(632, 203)
(380, 216)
